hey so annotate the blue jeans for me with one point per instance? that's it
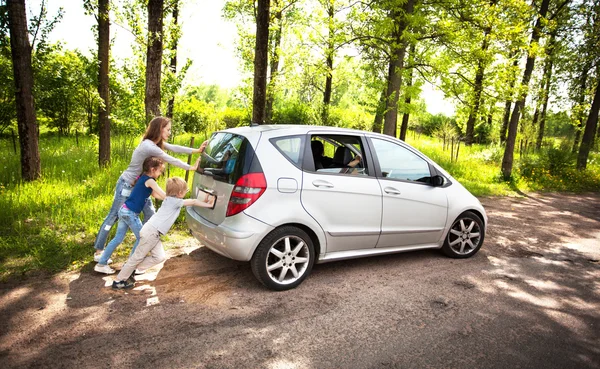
(127, 220)
(122, 192)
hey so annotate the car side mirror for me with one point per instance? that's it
(437, 180)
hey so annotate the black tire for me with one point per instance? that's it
(465, 237)
(271, 252)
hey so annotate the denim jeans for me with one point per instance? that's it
(127, 220)
(122, 192)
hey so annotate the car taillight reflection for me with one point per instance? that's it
(246, 191)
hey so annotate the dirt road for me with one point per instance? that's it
(530, 298)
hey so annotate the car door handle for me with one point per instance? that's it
(321, 183)
(391, 191)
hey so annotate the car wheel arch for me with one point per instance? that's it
(312, 234)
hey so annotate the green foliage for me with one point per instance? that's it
(550, 161)
(233, 117)
(293, 112)
(194, 115)
(65, 93)
(8, 112)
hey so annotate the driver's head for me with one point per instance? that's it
(317, 148)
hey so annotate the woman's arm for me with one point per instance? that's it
(184, 149)
(157, 192)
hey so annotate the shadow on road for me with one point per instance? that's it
(531, 296)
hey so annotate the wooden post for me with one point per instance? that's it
(14, 140)
(452, 150)
(189, 161)
(520, 148)
(457, 149)
(77, 137)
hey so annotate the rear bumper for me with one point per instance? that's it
(236, 238)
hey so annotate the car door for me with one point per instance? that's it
(346, 204)
(414, 212)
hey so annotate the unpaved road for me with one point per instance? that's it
(529, 299)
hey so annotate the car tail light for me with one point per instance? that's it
(246, 191)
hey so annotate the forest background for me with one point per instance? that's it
(522, 77)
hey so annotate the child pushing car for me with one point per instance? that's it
(150, 251)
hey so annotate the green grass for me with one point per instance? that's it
(50, 224)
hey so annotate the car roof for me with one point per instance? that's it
(295, 129)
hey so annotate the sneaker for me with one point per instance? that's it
(123, 285)
(100, 268)
(139, 271)
(97, 258)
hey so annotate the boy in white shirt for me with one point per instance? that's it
(158, 225)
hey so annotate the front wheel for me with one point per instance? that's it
(284, 258)
(465, 237)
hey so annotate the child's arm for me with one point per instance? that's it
(207, 203)
(157, 192)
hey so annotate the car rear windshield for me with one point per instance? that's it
(227, 157)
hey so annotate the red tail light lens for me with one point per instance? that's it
(246, 191)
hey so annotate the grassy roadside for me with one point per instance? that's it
(50, 225)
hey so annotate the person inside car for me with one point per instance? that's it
(321, 161)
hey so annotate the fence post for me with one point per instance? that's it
(14, 140)
(189, 161)
(457, 149)
(77, 137)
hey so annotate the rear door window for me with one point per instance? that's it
(291, 147)
(337, 154)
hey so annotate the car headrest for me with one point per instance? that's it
(342, 156)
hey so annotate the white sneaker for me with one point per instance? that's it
(139, 271)
(97, 258)
(104, 269)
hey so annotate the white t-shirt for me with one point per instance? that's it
(167, 214)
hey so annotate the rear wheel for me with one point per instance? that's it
(284, 258)
(465, 237)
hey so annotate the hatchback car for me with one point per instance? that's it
(291, 196)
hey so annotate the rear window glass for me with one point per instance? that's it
(291, 147)
(226, 157)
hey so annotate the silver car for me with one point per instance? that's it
(290, 196)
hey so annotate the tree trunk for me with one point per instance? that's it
(260, 62)
(408, 97)
(581, 100)
(545, 98)
(477, 89)
(508, 105)
(590, 129)
(379, 112)
(23, 75)
(274, 67)
(395, 68)
(329, 54)
(173, 64)
(103, 83)
(154, 58)
(507, 160)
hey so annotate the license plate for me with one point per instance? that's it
(201, 194)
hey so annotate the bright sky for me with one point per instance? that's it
(207, 39)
